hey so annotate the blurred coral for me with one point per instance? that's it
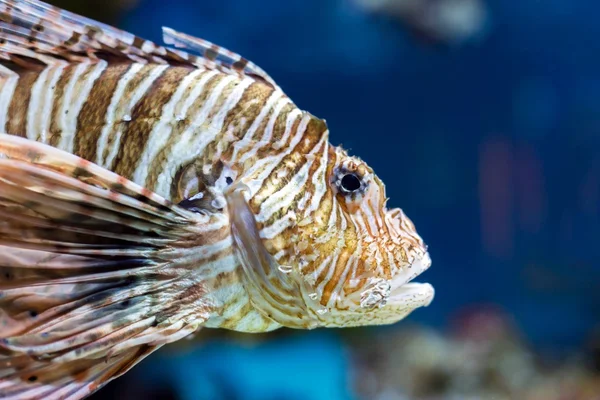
(448, 21)
(483, 357)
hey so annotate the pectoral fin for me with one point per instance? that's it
(280, 294)
(95, 272)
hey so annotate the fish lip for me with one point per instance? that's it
(420, 264)
(414, 294)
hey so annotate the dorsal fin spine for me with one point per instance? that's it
(36, 30)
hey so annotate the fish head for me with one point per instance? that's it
(359, 256)
(342, 258)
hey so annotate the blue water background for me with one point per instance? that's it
(492, 147)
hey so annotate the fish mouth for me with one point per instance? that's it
(412, 295)
(407, 294)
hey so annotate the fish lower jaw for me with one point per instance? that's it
(412, 295)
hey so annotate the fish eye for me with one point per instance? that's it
(350, 183)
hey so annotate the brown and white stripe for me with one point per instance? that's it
(147, 113)
(148, 121)
(183, 128)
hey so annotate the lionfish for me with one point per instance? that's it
(147, 192)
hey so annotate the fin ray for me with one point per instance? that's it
(217, 54)
(48, 34)
(92, 267)
(68, 381)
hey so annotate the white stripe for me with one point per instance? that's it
(291, 119)
(209, 270)
(65, 102)
(247, 139)
(284, 197)
(222, 145)
(359, 222)
(182, 110)
(278, 226)
(319, 180)
(141, 89)
(271, 163)
(112, 109)
(211, 226)
(200, 253)
(332, 230)
(161, 132)
(186, 149)
(392, 262)
(41, 101)
(34, 104)
(304, 200)
(338, 289)
(74, 103)
(114, 148)
(46, 112)
(6, 94)
(373, 196)
(197, 136)
(326, 270)
(265, 140)
(333, 217)
(353, 281)
(233, 99)
(369, 217)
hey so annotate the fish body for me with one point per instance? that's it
(146, 192)
(155, 123)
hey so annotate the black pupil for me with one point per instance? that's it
(350, 183)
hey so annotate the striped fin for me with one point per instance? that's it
(68, 381)
(36, 30)
(212, 52)
(92, 267)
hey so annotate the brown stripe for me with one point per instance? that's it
(5, 17)
(248, 108)
(118, 124)
(252, 102)
(340, 266)
(144, 116)
(235, 319)
(260, 130)
(279, 126)
(281, 122)
(17, 112)
(73, 40)
(138, 42)
(291, 163)
(309, 187)
(92, 117)
(361, 270)
(212, 52)
(325, 209)
(233, 129)
(55, 130)
(240, 64)
(177, 129)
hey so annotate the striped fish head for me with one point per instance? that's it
(365, 255)
(320, 248)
